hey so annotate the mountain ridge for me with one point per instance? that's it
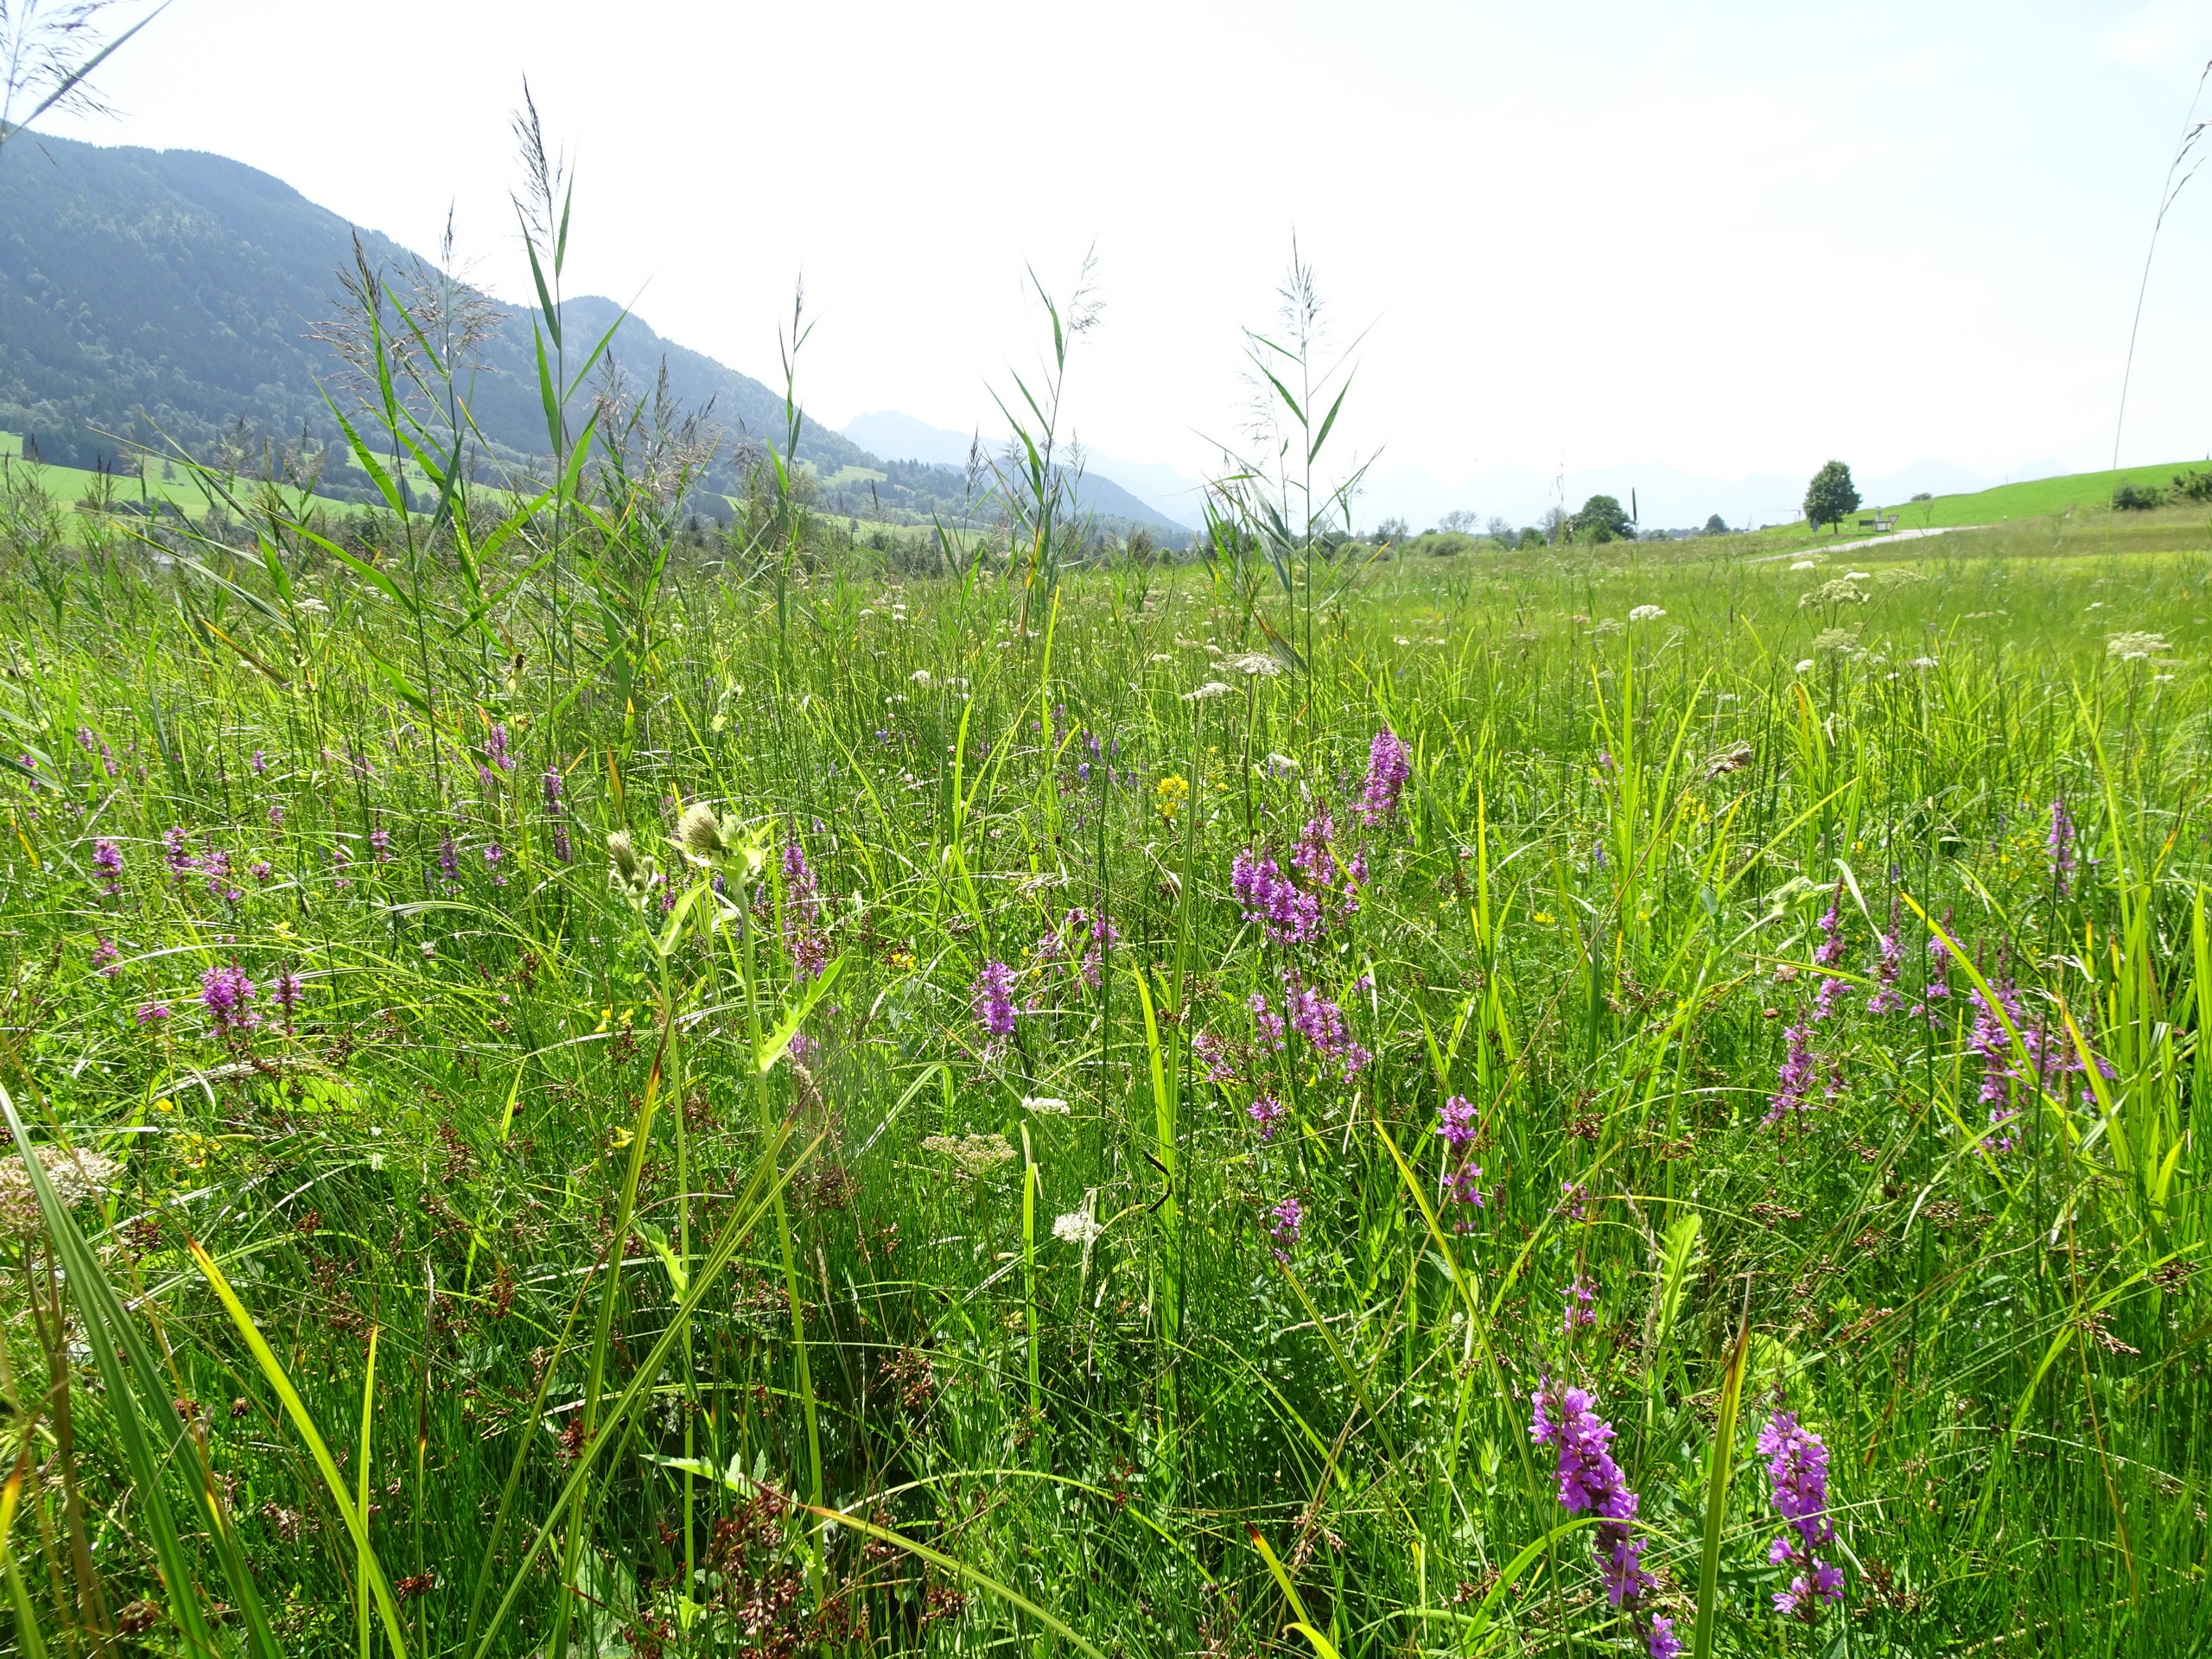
(158, 296)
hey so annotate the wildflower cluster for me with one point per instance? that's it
(1590, 1481)
(1797, 1467)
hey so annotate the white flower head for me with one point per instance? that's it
(1206, 693)
(1646, 614)
(74, 1176)
(1279, 766)
(2136, 646)
(971, 1155)
(1806, 564)
(1805, 667)
(1259, 663)
(1077, 1226)
(919, 676)
(1051, 1103)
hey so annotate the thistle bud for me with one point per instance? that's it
(624, 854)
(700, 834)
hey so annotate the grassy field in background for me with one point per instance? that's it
(2042, 498)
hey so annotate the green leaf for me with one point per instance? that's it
(773, 1044)
(303, 1424)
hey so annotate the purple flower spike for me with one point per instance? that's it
(1283, 1222)
(1590, 1480)
(1273, 899)
(1793, 1084)
(992, 997)
(1797, 1466)
(1390, 763)
(1455, 1121)
(1265, 1112)
(226, 993)
(2060, 843)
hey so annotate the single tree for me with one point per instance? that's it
(1716, 526)
(1830, 495)
(1603, 519)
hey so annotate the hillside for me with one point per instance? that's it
(2036, 498)
(149, 295)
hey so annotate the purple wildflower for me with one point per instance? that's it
(551, 783)
(1104, 936)
(1793, 1082)
(1830, 950)
(1321, 1022)
(1824, 1000)
(1886, 998)
(2060, 843)
(495, 749)
(1265, 1111)
(1797, 1466)
(260, 763)
(227, 993)
(263, 872)
(1312, 858)
(803, 936)
(107, 858)
(492, 854)
(380, 845)
(152, 1013)
(992, 998)
(176, 852)
(560, 849)
(217, 866)
(1580, 1296)
(1213, 1053)
(1283, 1222)
(1271, 898)
(284, 991)
(1455, 1121)
(448, 860)
(276, 815)
(1464, 1186)
(1589, 1479)
(105, 956)
(1574, 1200)
(1390, 763)
(1267, 1022)
(1663, 1643)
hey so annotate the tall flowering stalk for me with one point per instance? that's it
(1590, 1481)
(1797, 1467)
(1793, 1082)
(804, 937)
(1390, 763)
(2060, 844)
(991, 997)
(1273, 899)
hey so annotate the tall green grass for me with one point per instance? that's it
(677, 1264)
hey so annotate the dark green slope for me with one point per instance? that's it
(146, 295)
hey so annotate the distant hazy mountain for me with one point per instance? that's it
(1106, 487)
(150, 293)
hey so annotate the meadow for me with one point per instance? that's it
(578, 1089)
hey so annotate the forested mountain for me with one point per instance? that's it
(151, 294)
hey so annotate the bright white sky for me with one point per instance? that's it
(1727, 237)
